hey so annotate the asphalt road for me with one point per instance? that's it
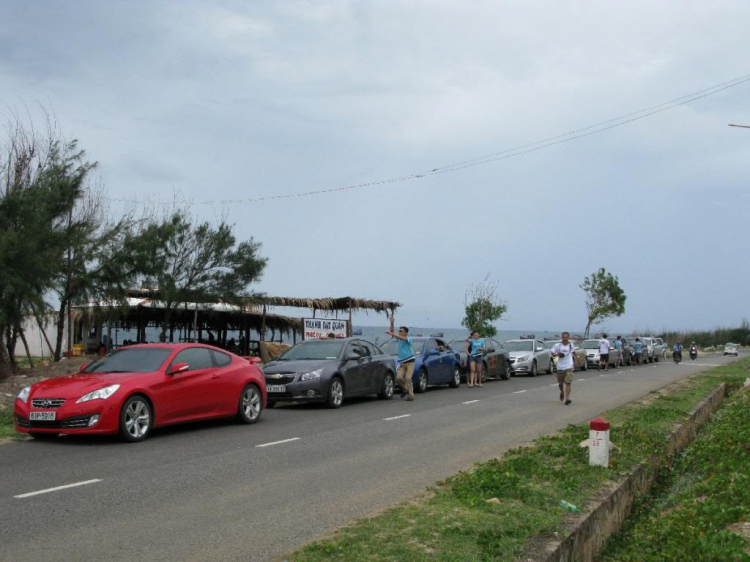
(220, 491)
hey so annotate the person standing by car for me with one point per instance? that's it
(406, 359)
(475, 348)
(618, 351)
(638, 348)
(604, 347)
(565, 366)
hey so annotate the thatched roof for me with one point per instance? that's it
(332, 304)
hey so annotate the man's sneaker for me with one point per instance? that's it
(568, 401)
(410, 399)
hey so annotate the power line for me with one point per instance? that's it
(493, 157)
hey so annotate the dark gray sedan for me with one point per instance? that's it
(329, 370)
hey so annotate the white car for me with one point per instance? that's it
(592, 353)
(732, 349)
(529, 356)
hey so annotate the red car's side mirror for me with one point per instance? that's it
(178, 368)
(82, 367)
(254, 360)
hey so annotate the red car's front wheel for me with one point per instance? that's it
(135, 419)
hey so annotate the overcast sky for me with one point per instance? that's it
(210, 101)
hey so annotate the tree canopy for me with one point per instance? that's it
(604, 298)
(483, 307)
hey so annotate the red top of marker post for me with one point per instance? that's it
(599, 424)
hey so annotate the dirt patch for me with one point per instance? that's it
(10, 387)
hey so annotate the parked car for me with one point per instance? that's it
(628, 351)
(732, 349)
(529, 356)
(329, 371)
(660, 349)
(592, 354)
(579, 354)
(649, 349)
(435, 362)
(140, 387)
(496, 363)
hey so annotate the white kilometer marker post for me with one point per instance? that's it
(397, 417)
(279, 442)
(519, 392)
(470, 402)
(48, 490)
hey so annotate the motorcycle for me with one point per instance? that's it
(693, 353)
(677, 356)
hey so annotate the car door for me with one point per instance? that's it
(447, 359)
(373, 370)
(352, 370)
(543, 355)
(432, 362)
(226, 382)
(191, 393)
(490, 357)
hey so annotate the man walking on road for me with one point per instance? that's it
(565, 366)
(406, 359)
(604, 347)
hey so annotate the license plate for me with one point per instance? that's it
(276, 388)
(42, 416)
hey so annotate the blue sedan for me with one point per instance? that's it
(436, 363)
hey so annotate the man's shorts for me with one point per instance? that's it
(604, 357)
(565, 376)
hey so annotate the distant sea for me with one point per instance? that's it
(377, 334)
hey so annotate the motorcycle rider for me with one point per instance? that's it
(677, 350)
(693, 350)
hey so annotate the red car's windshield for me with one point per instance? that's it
(131, 360)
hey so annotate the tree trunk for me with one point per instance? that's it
(60, 331)
(25, 346)
(11, 336)
(44, 333)
(6, 367)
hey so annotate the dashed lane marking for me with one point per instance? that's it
(470, 402)
(48, 490)
(519, 392)
(396, 417)
(279, 442)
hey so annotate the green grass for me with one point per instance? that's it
(689, 513)
(457, 522)
(6, 424)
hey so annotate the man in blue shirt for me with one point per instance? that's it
(406, 359)
(638, 348)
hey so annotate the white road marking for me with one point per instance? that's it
(48, 490)
(470, 402)
(554, 384)
(519, 392)
(279, 442)
(579, 380)
(397, 417)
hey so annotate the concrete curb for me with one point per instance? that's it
(605, 516)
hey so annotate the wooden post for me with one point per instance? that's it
(263, 325)
(349, 329)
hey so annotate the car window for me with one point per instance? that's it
(313, 349)
(196, 357)
(366, 349)
(540, 346)
(131, 360)
(441, 344)
(490, 345)
(221, 359)
(353, 348)
(431, 344)
(519, 345)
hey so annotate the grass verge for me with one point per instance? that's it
(6, 424)
(700, 507)
(493, 511)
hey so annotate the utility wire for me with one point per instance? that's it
(493, 157)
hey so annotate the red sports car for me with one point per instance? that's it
(141, 387)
